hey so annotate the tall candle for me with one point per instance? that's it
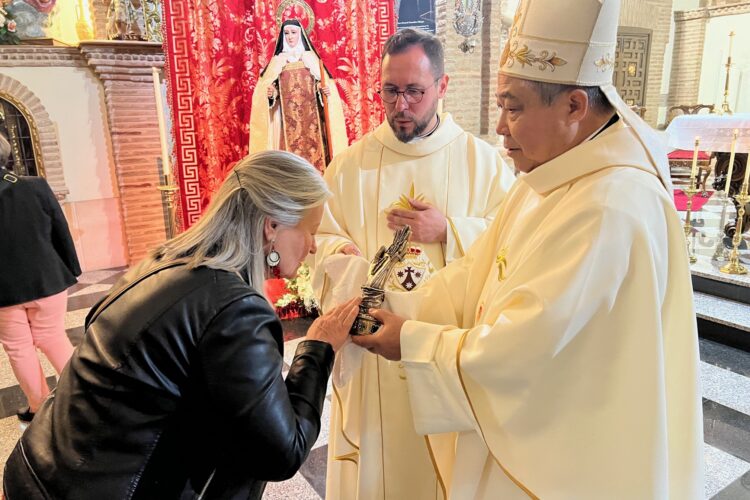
(694, 170)
(731, 162)
(747, 175)
(165, 160)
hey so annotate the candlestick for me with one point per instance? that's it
(694, 169)
(725, 104)
(731, 162)
(165, 158)
(734, 266)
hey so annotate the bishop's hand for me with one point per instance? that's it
(386, 341)
(428, 224)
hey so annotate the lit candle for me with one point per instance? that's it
(747, 175)
(694, 170)
(162, 127)
(731, 162)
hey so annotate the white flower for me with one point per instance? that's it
(2, 20)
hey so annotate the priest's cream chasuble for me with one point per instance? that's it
(559, 358)
(374, 451)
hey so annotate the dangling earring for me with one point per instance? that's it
(272, 259)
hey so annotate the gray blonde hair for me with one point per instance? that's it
(5, 150)
(273, 185)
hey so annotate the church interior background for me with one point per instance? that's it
(94, 106)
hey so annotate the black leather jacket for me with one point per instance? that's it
(36, 248)
(176, 379)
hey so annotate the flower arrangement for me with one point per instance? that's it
(299, 299)
(8, 26)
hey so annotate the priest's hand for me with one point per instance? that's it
(326, 90)
(387, 340)
(428, 224)
(350, 249)
(271, 91)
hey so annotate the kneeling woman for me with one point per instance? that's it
(176, 390)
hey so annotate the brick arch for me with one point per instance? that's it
(43, 132)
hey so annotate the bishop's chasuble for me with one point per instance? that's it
(374, 451)
(559, 358)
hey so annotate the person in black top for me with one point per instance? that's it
(39, 264)
(176, 390)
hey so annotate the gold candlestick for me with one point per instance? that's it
(734, 266)
(169, 190)
(690, 192)
(725, 104)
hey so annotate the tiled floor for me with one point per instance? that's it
(726, 403)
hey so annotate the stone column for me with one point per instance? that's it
(124, 69)
(687, 58)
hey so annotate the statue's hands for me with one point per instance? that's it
(350, 249)
(387, 340)
(428, 224)
(333, 327)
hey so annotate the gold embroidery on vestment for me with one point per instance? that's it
(525, 56)
(604, 63)
(502, 263)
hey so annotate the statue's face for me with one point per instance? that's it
(292, 35)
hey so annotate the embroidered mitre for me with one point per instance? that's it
(573, 42)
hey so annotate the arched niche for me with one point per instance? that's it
(43, 132)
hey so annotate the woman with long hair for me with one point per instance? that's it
(176, 390)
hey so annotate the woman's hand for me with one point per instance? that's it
(271, 90)
(333, 327)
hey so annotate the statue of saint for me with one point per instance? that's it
(288, 102)
(125, 20)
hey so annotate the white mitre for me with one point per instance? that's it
(573, 42)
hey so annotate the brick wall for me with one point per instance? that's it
(464, 97)
(689, 41)
(124, 69)
(689, 34)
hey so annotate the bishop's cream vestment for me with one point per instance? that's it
(559, 358)
(374, 452)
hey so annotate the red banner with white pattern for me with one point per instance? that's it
(215, 50)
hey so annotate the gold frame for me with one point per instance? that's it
(305, 6)
(35, 141)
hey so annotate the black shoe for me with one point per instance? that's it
(25, 415)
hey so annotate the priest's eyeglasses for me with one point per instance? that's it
(389, 95)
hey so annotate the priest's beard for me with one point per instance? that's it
(419, 124)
